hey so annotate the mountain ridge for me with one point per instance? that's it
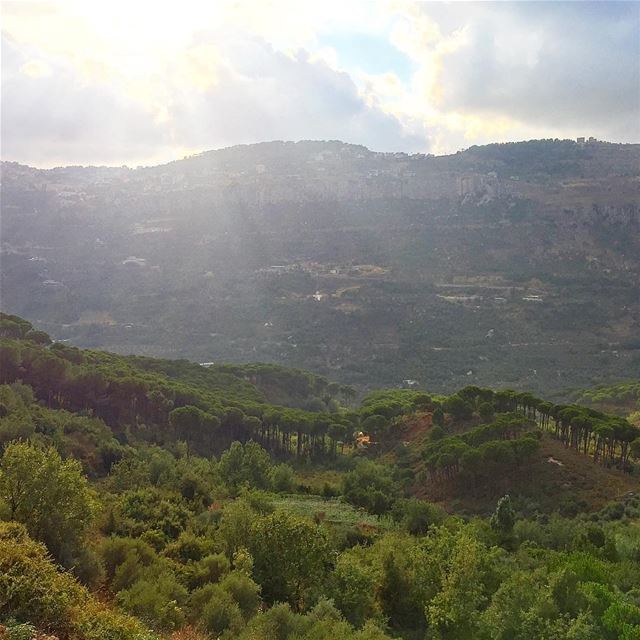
(510, 265)
(254, 146)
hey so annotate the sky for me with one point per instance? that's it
(143, 82)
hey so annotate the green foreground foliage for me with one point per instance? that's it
(146, 499)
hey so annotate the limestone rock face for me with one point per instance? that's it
(331, 257)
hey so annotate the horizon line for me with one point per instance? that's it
(311, 140)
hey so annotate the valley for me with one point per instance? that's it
(320, 320)
(148, 499)
(510, 265)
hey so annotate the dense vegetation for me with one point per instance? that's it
(622, 398)
(144, 499)
(180, 400)
(507, 265)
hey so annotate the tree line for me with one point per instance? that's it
(609, 440)
(162, 401)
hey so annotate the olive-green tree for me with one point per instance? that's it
(291, 557)
(49, 495)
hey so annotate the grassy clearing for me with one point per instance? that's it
(316, 479)
(333, 511)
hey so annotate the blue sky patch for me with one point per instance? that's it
(373, 54)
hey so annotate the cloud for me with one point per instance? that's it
(56, 117)
(145, 82)
(558, 66)
(224, 89)
(36, 69)
(264, 94)
(583, 68)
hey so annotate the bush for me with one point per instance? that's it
(96, 622)
(416, 516)
(291, 557)
(354, 588)
(189, 547)
(209, 569)
(143, 509)
(329, 492)
(370, 486)
(529, 531)
(613, 511)
(33, 589)
(88, 567)
(49, 495)
(16, 631)
(244, 591)
(156, 599)
(282, 478)
(221, 613)
(277, 623)
(245, 464)
(115, 552)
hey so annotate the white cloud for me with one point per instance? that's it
(60, 118)
(36, 69)
(264, 94)
(226, 88)
(512, 69)
(143, 81)
(581, 68)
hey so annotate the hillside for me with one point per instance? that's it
(115, 401)
(467, 450)
(556, 478)
(622, 398)
(146, 499)
(507, 265)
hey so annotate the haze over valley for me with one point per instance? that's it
(510, 265)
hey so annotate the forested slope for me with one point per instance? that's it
(512, 265)
(622, 398)
(143, 499)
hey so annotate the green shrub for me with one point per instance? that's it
(221, 613)
(96, 622)
(209, 569)
(244, 591)
(157, 599)
(19, 631)
(416, 516)
(188, 547)
(282, 478)
(124, 558)
(32, 588)
(370, 486)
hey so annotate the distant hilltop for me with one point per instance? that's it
(304, 147)
(505, 264)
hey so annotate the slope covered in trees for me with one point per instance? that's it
(147, 499)
(164, 401)
(622, 399)
(512, 265)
